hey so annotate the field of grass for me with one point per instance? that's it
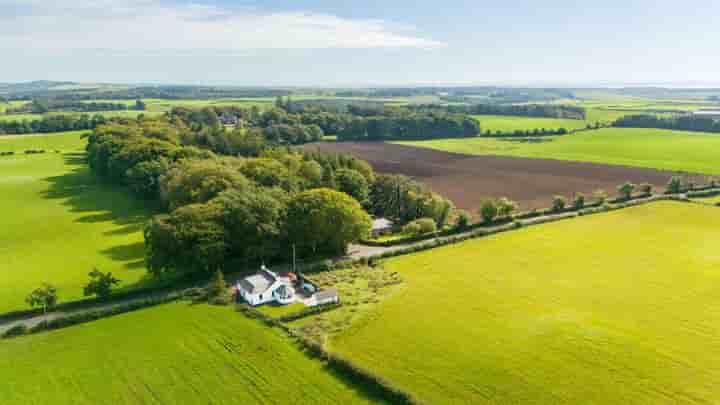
(714, 200)
(172, 354)
(651, 148)
(58, 222)
(611, 308)
(506, 123)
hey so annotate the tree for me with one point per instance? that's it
(44, 297)
(140, 105)
(217, 289)
(324, 220)
(626, 189)
(675, 185)
(505, 207)
(100, 284)
(558, 203)
(353, 183)
(191, 239)
(488, 211)
(578, 202)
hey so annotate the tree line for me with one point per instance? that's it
(411, 125)
(682, 122)
(40, 106)
(521, 110)
(52, 123)
(235, 194)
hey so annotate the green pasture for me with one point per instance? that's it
(507, 123)
(172, 354)
(620, 307)
(650, 148)
(59, 222)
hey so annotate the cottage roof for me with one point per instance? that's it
(326, 294)
(381, 223)
(258, 283)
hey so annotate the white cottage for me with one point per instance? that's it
(265, 287)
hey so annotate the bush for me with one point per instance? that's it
(578, 202)
(558, 203)
(626, 189)
(17, 330)
(488, 211)
(463, 220)
(505, 207)
(420, 226)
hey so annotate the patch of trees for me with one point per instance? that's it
(521, 110)
(683, 122)
(412, 125)
(404, 200)
(52, 123)
(251, 206)
(40, 106)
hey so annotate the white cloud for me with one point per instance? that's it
(152, 25)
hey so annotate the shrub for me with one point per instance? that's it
(558, 203)
(420, 226)
(217, 290)
(646, 188)
(578, 202)
(626, 189)
(463, 220)
(100, 284)
(505, 207)
(488, 211)
(675, 185)
(600, 196)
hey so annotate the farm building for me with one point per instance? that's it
(265, 287)
(381, 226)
(227, 119)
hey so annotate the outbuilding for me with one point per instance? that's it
(381, 226)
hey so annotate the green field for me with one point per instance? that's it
(612, 308)
(172, 354)
(58, 222)
(651, 148)
(507, 123)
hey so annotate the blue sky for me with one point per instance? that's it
(332, 43)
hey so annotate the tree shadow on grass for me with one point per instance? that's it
(82, 192)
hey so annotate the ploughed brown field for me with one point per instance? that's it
(467, 180)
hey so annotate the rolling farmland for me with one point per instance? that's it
(611, 308)
(650, 148)
(63, 222)
(174, 353)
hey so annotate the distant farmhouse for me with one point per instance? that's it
(228, 119)
(381, 226)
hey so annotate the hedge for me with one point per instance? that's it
(92, 315)
(339, 364)
(309, 312)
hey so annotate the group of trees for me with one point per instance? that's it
(52, 123)
(42, 106)
(682, 122)
(251, 205)
(410, 125)
(523, 110)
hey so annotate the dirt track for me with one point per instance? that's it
(468, 179)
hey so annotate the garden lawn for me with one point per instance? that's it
(508, 123)
(620, 307)
(58, 222)
(171, 354)
(650, 148)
